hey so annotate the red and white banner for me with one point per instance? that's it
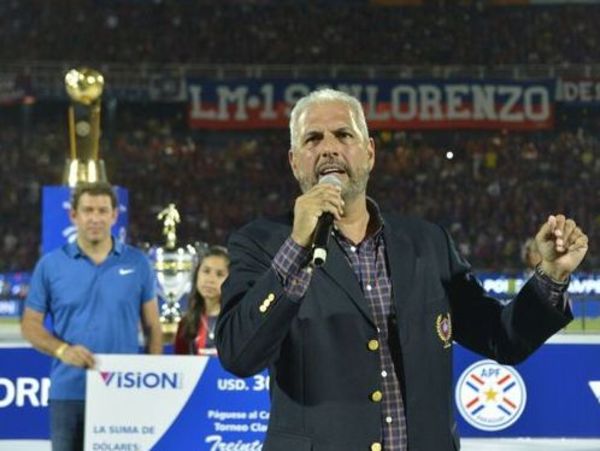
(388, 104)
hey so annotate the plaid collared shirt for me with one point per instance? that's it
(368, 261)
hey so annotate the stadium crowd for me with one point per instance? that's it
(298, 32)
(490, 194)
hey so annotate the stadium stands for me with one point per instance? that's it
(491, 195)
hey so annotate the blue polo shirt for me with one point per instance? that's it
(97, 306)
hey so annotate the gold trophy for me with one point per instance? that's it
(174, 266)
(84, 87)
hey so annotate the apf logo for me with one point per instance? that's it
(490, 396)
(136, 379)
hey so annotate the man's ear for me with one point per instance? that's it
(291, 159)
(371, 152)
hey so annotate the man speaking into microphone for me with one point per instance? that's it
(324, 225)
(357, 336)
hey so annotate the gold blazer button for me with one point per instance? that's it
(373, 345)
(376, 396)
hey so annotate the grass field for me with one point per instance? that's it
(584, 324)
(8, 321)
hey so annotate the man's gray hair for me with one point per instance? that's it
(325, 96)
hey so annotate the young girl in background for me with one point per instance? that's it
(196, 331)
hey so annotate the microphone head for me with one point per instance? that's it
(330, 179)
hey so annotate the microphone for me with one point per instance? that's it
(324, 225)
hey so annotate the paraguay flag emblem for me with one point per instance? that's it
(490, 396)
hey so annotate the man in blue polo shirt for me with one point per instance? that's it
(97, 292)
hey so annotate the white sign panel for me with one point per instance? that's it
(132, 400)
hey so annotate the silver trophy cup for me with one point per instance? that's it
(174, 269)
(174, 266)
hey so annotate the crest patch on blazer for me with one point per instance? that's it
(443, 326)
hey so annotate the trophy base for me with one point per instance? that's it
(169, 330)
(83, 171)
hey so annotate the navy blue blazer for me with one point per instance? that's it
(322, 371)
